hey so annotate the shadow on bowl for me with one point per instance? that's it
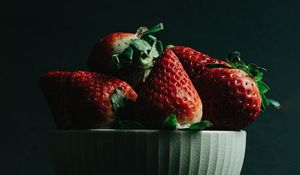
(147, 152)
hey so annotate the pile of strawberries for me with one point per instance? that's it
(133, 82)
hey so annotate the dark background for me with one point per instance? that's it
(40, 36)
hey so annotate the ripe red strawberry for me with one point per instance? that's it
(129, 56)
(100, 58)
(168, 90)
(232, 94)
(53, 86)
(84, 99)
(90, 100)
(231, 98)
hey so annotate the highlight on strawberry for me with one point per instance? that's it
(133, 83)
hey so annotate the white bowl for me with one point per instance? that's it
(147, 152)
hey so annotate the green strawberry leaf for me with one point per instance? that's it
(154, 52)
(117, 99)
(145, 62)
(258, 76)
(234, 57)
(150, 39)
(274, 103)
(170, 122)
(122, 108)
(124, 59)
(128, 124)
(116, 60)
(141, 45)
(128, 54)
(146, 74)
(263, 87)
(200, 125)
(159, 47)
(235, 61)
(256, 71)
(264, 101)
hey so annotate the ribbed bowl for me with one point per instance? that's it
(147, 152)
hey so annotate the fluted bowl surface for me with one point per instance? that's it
(147, 152)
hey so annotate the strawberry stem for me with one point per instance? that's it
(154, 29)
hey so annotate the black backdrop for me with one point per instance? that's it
(41, 36)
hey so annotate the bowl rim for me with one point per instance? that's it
(143, 131)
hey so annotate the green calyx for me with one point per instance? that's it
(123, 109)
(171, 123)
(118, 100)
(254, 71)
(121, 106)
(142, 52)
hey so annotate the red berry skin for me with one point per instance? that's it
(194, 61)
(168, 90)
(52, 85)
(100, 58)
(88, 96)
(231, 99)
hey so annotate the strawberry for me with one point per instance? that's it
(84, 99)
(129, 56)
(94, 98)
(232, 92)
(168, 90)
(231, 98)
(53, 86)
(100, 58)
